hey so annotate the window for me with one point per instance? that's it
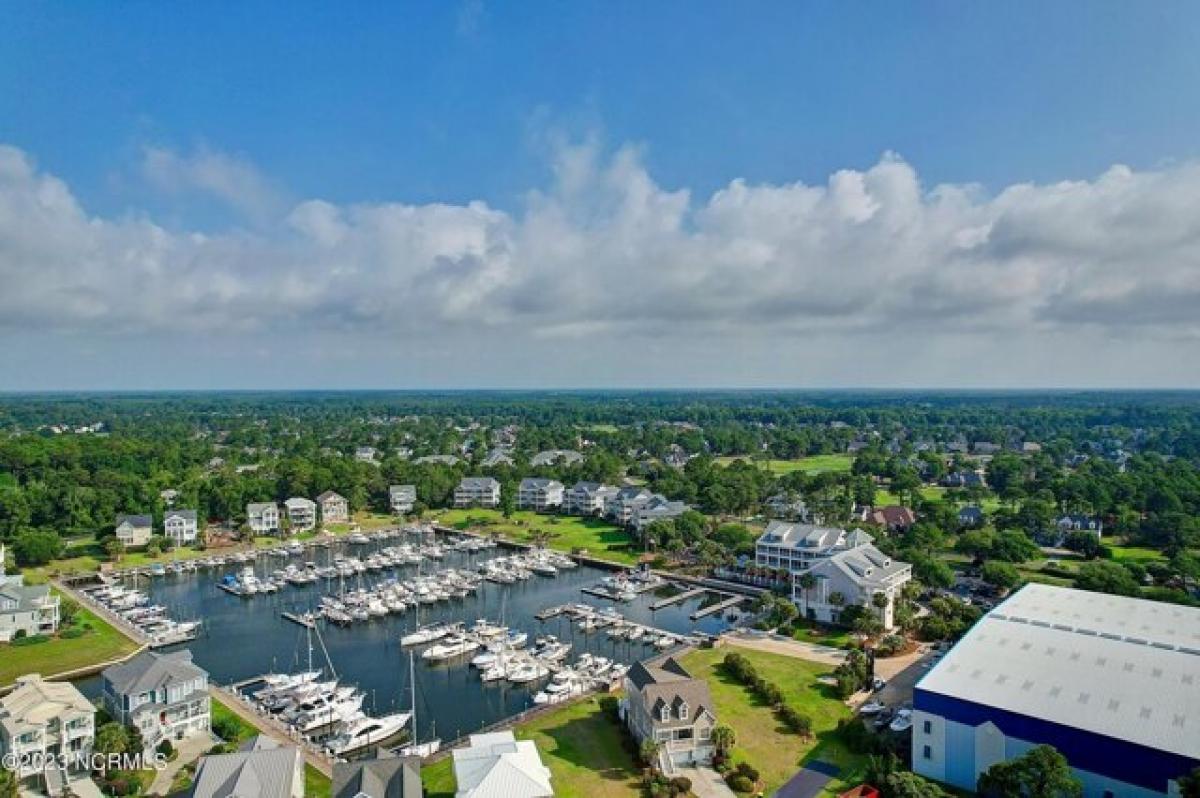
(665, 713)
(927, 752)
(683, 710)
(928, 727)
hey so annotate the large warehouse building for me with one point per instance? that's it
(1113, 683)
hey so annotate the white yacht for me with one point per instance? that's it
(363, 730)
(455, 646)
(338, 711)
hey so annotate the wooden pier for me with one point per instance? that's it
(718, 607)
(300, 619)
(678, 597)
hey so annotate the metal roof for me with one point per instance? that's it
(1120, 667)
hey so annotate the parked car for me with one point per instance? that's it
(878, 685)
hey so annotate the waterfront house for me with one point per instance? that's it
(853, 578)
(477, 492)
(658, 508)
(402, 498)
(381, 777)
(263, 518)
(556, 456)
(40, 720)
(664, 703)
(587, 498)
(25, 609)
(622, 505)
(302, 513)
(180, 527)
(798, 547)
(134, 530)
(540, 495)
(261, 768)
(163, 696)
(497, 765)
(334, 508)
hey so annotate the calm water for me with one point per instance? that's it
(245, 637)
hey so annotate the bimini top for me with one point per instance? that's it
(1121, 667)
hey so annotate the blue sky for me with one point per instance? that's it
(223, 119)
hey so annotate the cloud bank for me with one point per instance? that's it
(606, 251)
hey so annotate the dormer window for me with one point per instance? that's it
(665, 714)
(683, 710)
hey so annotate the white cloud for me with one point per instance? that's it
(606, 251)
(231, 180)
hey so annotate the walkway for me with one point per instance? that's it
(772, 644)
(190, 749)
(706, 782)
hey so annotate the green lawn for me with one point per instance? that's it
(884, 497)
(834, 638)
(761, 739)
(1136, 554)
(100, 643)
(567, 533)
(813, 464)
(582, 744)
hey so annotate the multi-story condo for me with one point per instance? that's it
(402, 498)
(334, 508)
(665, 704)
(587, 498)
(302, 513)
(42, 722)
(25, 609)
(263, 518)
(134, 530)
(180, 526)
(798, 547)
(477, 492)
(163, 696)
(540, 495)
(622, 505)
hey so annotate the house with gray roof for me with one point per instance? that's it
(163, 696)
(622, 505)
(384, 777)
(180, 527)
(25, 609)
(261, 768)
(587, 498)
(540, 495)
(301, 513)
(664, 703)
(477, 492)
(402, 498)
(439, 459)
(556, 456)
(658, 508)
(134, 530)
(497, 457)
(852, 578)
(797, 547)
(334, 508)
(263, 518)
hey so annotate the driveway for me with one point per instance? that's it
(809, 781)
(190, 749)
(706, 782)
(902, 674)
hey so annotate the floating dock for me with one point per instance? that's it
(678, 597)
(307, 623)
(718, 607)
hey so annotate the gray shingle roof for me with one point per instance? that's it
(186, 515)
(135, 520)
(665, 682)
(151, 670)
(259, 773)
(387, 777)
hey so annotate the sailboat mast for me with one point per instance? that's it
(412, 683)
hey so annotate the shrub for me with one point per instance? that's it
(739, 783)
(226, 728)
(165, 748)
(28, 640)
(748, 770)
(72, 633)
(681, 785)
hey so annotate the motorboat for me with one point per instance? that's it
(337, 711)
(527, 672)
(453, 646)
(363, 730)
(426, 634)
(872, 708)
(902, 722)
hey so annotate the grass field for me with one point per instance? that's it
(761, 739)
(567, 533)
(100, 643)
(1136, 554)
(580, 743)
(814, 464)
(884, 497)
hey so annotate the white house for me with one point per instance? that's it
(402, 498)
(302, 513)
(180, 526)
(134, 530)
(497, 765)
(621, 506)
(540, 495)
(477, 492)
(263, 518)
(42, 720)
(587, 498)
(856, 576)
(798, 547)
(25, 609)
(334, 508)
(163, 696)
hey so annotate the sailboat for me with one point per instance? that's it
(417, 748)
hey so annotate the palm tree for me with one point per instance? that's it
(807, 582)
(723, 738)
(649, 752)
(9, 788)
